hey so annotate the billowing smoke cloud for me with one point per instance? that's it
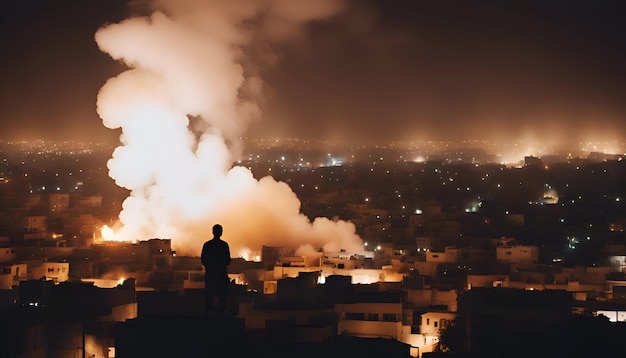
(188, 95)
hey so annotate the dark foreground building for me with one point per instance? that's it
(502, 322)
(179, 336)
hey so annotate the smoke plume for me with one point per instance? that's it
(188, 95)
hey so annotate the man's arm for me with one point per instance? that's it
(227, 254)
(203, 256)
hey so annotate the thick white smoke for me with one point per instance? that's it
(186, 98)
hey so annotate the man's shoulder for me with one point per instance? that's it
(216, 241)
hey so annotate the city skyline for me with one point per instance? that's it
(187, 80)
(407, 70)
(393, 178)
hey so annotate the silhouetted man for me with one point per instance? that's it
(216, 258)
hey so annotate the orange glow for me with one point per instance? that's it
(108, 234)
(249, 255)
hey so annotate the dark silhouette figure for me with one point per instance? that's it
(216, 258)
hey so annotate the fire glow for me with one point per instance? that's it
(182, 106)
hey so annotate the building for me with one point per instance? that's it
(517, 254)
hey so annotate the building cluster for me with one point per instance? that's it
(484, 260)
(92, 300)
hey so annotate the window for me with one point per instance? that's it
(435, 324)
(355, 316)
(372, 316)
(50, 269)
(390, 317)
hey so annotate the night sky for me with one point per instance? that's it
(375, 70)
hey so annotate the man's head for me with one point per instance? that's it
(217, 230)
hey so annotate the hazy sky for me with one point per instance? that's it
(387, 69)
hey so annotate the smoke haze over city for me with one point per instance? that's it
(399, 70)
